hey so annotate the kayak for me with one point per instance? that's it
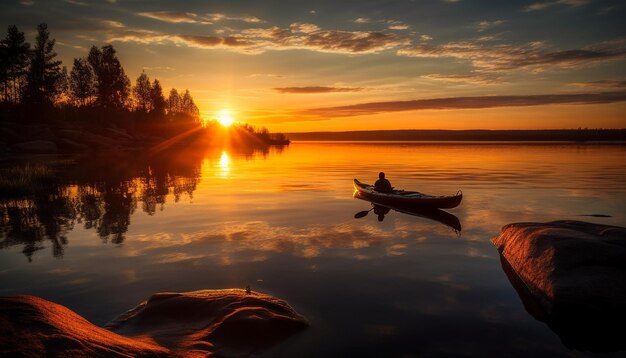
(409, 197)
(427, 212)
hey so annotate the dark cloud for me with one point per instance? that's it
(502, 57)
(469, 103)
(316, 89)
(474, 78)
(212, 41)
(355, 42)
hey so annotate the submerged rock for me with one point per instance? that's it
(571, 275)
(222, 322)
(201, 323)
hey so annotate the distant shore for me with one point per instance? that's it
(548, 135)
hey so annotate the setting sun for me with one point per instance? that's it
(225, 119)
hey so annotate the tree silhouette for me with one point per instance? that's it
(142, 93)
(173, 102)
(112, 84)
(157, 99)
(188, 106)
(14, 51)
(45, 73)
(82, 83)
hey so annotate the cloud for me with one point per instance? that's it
(316, 89)
(27, 2)
(193, 18)
(602, 84)
(256, 40)
(474, 78)
(219, 17)
(75, 2)
(174, 17)
(398, 27)
(303, 27)
(507, 57)
(486, 25)
(362, 20)
(111, 24)
(468, 103)
(546, 4)
(211, 41)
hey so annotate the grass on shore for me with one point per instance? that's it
(22, 180)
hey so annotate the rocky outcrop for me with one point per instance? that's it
(33, 327)
(201, 323)
(571, 275)
(225, 322)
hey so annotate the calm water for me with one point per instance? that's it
(283, 222)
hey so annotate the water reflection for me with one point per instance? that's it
(580, 330)
(284, 224)
(380, 210)
(104, 195)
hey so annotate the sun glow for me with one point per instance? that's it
(225, 119)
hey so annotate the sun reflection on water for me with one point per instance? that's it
(224, 164)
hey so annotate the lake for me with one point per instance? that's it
(282, 221)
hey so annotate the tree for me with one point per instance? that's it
(173, 102)
(14, 51)
(44, 72)
(142, 93)
(157, 99)
(82, 83)
(188, 106)
(112, 84)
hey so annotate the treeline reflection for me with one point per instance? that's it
(99, 195)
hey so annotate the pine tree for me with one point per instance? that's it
(14, 52)
(44, 72)
(157, 99)
(188, 106)
(112, 84)
(142, 93)
(82, 83)
(173, 102)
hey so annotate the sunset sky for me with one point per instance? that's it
(348, 65)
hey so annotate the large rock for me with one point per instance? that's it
(568, 264)
(201, 323)
(33, 327)
(571, 275)
(35, 146)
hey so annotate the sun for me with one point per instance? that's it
(225, 119)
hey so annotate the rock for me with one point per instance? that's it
(33, 327)
(226, 322)
(35, 146)
(199, 323)
(571, 275)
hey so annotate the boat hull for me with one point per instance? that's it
(408, 198)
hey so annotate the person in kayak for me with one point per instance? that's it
(383, 185)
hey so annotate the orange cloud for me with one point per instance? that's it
(317, 89)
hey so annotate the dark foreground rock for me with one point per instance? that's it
(571, 275)
(201, 323)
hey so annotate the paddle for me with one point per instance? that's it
(363, 213)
